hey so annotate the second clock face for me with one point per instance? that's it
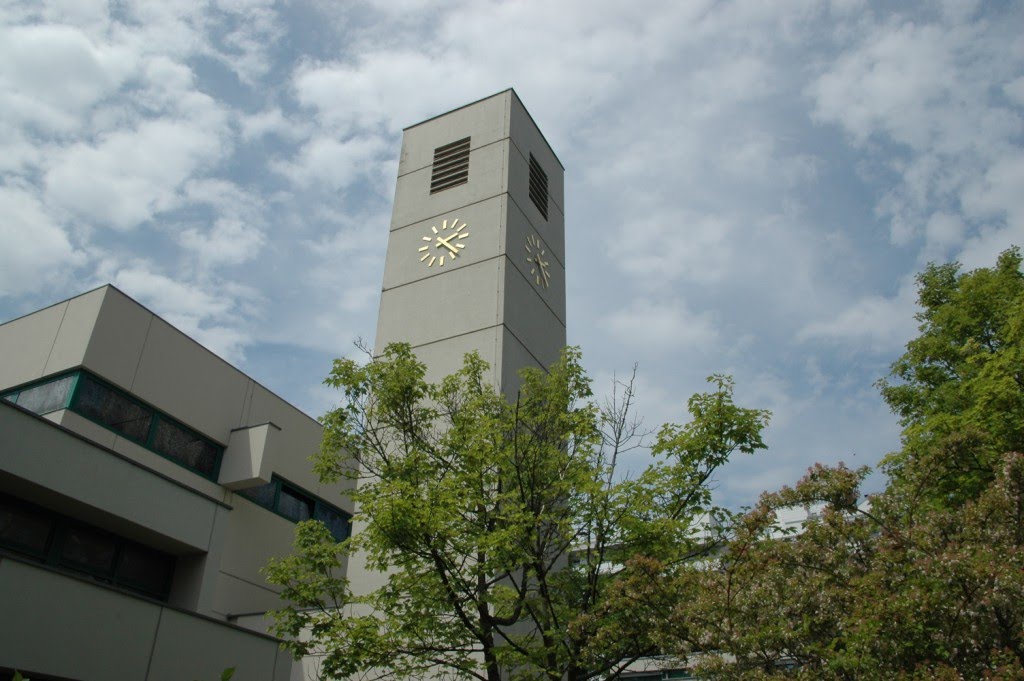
(536, 259)
(444, 244)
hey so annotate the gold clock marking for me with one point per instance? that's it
(449, 246)
(538, 265)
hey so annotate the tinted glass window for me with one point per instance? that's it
(47, 397)
(24, 528)
(145, 569)
(88, 548)
(294, 505)
(335, 521)
(181, 444)
(98, 402)
(262, 495)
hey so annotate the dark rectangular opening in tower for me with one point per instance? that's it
(538, 187)
(451, 166)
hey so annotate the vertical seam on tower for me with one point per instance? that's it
(499, 359)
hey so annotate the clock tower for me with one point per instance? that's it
(476, 249)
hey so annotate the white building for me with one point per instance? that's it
(144, 481)
(143, 484)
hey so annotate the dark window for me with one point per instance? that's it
(538, 187)
(335, 520)
(47, 397)
(451, 166)
(264, 495)
(102, 403)
(22, 529)
(296, 505)
(145, 569)
(186, 447)
(88, 549)
(57, 540)
(97, 401)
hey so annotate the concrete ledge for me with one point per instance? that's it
(55, 468)
(62, 625)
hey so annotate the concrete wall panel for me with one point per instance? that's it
(529, 140)
(25, 345)
(553, 227)
(184, 379)
(414, 202)
(484, 122)
(530, 319)
(254, 536)
(65, 627)
(234, 596)
(519, 231)
(90, 483)
(484, 223)
(117, 339)
(167, 467)
(514, 358)
(457, 302)
(191, 648)
(297, 440)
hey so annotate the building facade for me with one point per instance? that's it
(144, 481)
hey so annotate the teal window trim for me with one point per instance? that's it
(156, 417)
(14, 394)
(316, 503)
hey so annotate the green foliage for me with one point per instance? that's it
(502, 530)
(959, 387)
(925, 582)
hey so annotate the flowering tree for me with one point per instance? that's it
(926, 581)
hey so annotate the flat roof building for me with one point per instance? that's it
(144, 482)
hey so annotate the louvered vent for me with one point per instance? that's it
(538, 187)
(451, 166)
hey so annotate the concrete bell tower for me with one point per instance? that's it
(476, 250)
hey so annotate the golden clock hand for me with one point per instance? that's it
(444, 242)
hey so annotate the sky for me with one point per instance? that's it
(751, 187)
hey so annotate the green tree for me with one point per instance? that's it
(927, 581)
(959, 387)
(501, 528)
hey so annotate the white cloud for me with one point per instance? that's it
(662, 325)
(208, 317)
(942, 232)
(334, 163)
(930, 87)
(890, 84)
(879, 323)
(129, 176)
(228, 242)
(273, 122)
(50, 75)
(35, 251)
(666, 246)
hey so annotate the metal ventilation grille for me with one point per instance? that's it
(451, 166)
(538, 187)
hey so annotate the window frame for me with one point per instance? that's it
(156, 416)
(60, 526)
(295, 490)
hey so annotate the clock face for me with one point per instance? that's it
(535, 258)
(444, 244)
